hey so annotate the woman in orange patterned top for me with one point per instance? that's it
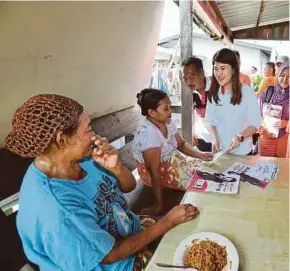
(155, 145)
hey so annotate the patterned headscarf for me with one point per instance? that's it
(36, 123)
(281, 96)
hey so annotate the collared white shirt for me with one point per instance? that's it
(200, 129)
(230, 120)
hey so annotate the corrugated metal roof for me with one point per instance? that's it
(244, 14)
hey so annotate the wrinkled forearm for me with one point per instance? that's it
(130, 245)
(126, 180)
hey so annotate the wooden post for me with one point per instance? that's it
(186, 51)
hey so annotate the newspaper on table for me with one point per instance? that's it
(260, 175)
(222, 183)
(272, 115)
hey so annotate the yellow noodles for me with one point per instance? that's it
(206, 255)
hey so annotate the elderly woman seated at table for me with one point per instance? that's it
(155, 148)
(72, 212)
(275, 112)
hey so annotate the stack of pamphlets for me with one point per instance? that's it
(228, 182)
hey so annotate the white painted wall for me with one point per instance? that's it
(102, 52)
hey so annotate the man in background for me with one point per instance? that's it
(194, 77)
(269, 69)
(253, 71)
(269, 78)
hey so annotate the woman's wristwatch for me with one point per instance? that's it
(240, 137)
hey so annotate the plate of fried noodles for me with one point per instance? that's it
(207, 251)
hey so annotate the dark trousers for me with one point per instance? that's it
(255, 143)
(204, 146)
(255, 138)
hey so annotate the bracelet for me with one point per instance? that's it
(240, 137)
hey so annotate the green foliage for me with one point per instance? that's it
(256, 81)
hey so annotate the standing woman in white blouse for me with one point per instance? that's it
(232, 112)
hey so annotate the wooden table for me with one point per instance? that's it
(255, 220)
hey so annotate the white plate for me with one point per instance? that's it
(233, 257)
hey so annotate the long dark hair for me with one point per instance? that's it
(226, 56)
(149, 98)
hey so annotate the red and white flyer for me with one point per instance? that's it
(203, 181)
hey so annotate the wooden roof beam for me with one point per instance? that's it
(262, 7)
(207, 16)
(215, 16)
(219, 15)
(278, 31)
